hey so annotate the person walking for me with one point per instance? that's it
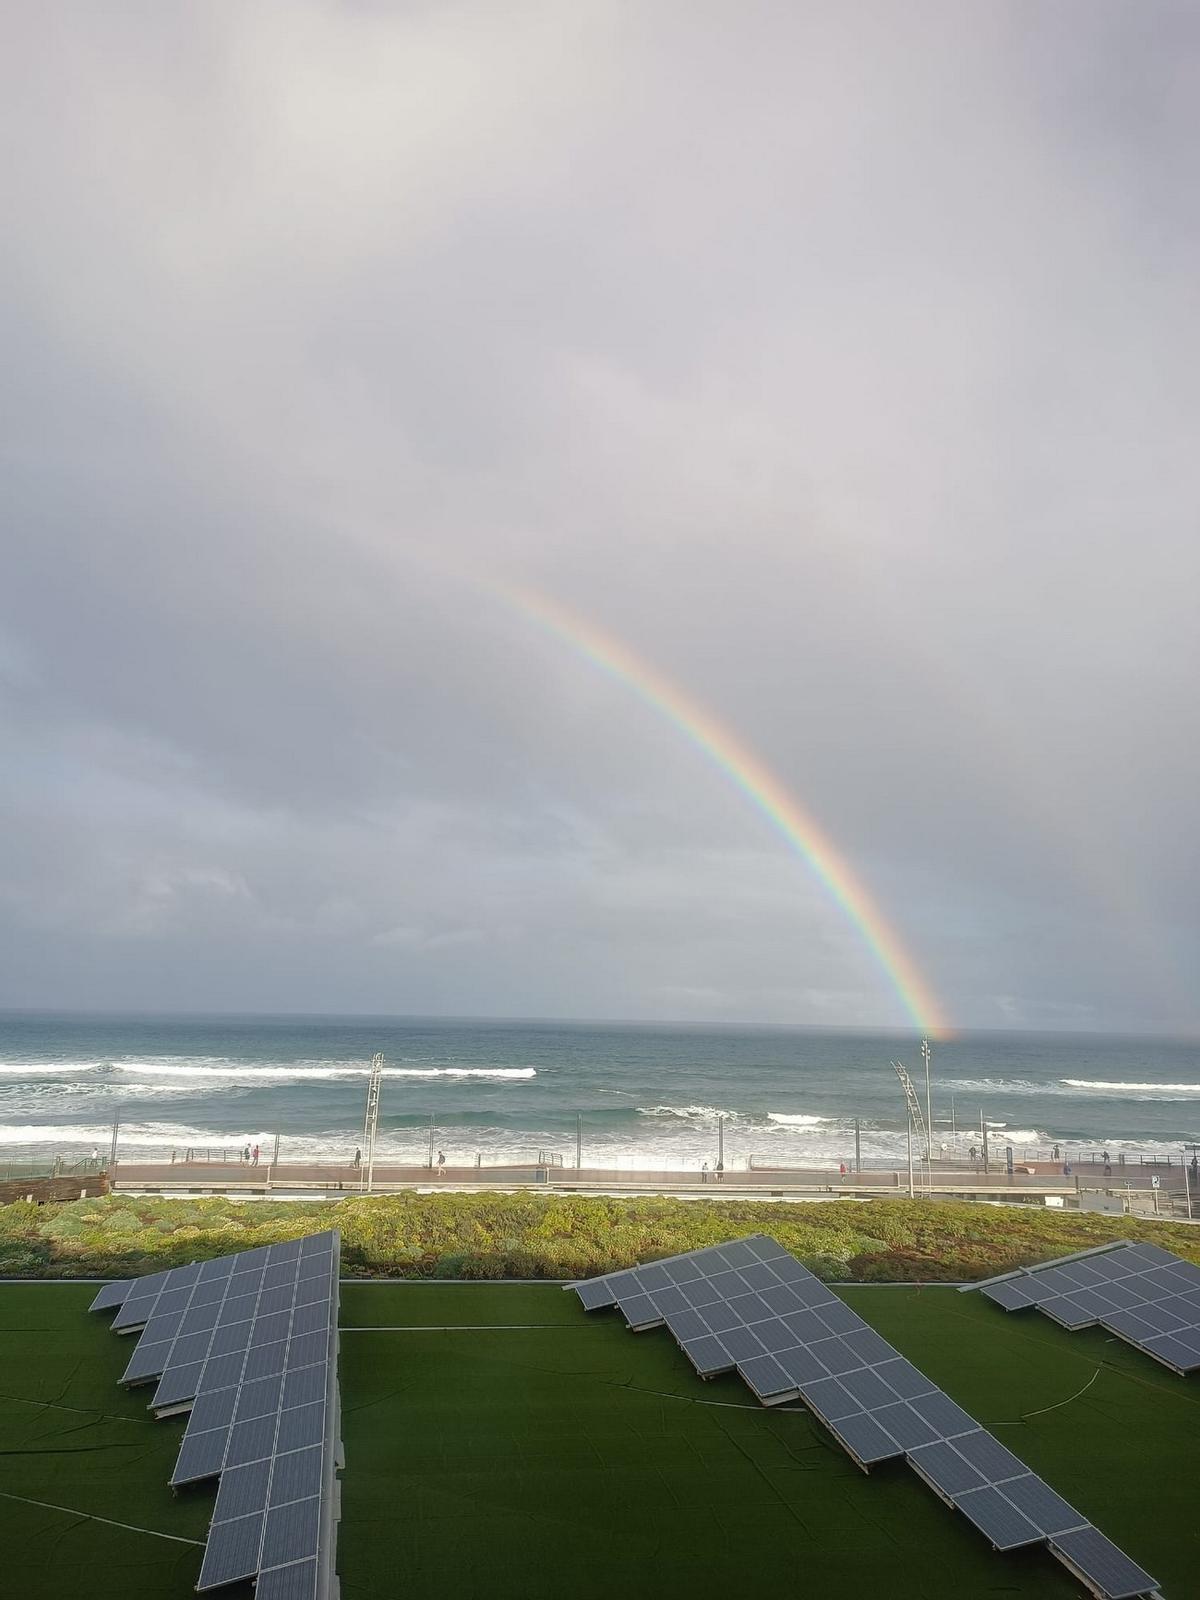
(95, 1156)
(441, 1164)
(720, 1171)
(357, 1156)
(704, 1172)
(254, 1156)
(246, 1156)
(842, 1171)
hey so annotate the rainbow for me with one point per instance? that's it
(756, 781)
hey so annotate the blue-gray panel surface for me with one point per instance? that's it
(301, 1426)
(297, 1475)
(201, 1456)
(180, 1384)
(112, 1294)
(766, 1377)
(291, 1532)
(232, 1551)
(1110, 1569)
(304, 1385)
(1035, 1499)
(243, 1490)
(994, 1516)
(945, 1468)
(865, 1439)
(295, 1582)
(707, 1355)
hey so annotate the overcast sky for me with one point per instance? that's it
(841, 359)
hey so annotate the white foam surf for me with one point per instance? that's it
(245, 1073)
(1155, 1091)
(690, 1113)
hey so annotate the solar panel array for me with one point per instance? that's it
(1141, 1293)
(750, 1307)
(250, 1343)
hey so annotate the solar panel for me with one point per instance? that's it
(994, 1516)
(1098, 1561)
(767, 1378)
(865, 1439)
(112, 1294)
(750, 1305)
(1137, 1291)
(250, 1341)
(943, 1468)
(1045, 1509)
(295, 1582)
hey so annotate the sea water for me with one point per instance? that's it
(648, 1097)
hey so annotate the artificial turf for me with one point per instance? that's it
(501, 1442)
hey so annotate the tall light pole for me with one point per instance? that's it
(925, 1056)
(371, 1124)
(913, 1107)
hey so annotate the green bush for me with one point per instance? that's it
(529, 1235)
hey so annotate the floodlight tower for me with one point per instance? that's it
(915, 1119)
(371, 1124)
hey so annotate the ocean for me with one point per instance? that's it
(507, 1091)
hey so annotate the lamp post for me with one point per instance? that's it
(366, 1175)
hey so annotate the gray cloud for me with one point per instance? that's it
(840, 361)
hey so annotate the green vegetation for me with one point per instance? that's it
(549, 1236)
(500, 1441)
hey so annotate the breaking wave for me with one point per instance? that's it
(690, 1113)
(296, 1074)
(1151, 1091)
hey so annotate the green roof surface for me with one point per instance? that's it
(501, 1441)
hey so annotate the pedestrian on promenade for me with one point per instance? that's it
(95, 1156)
(357, 1156)
(246, 1156)
(254, 1156)
(1057, 1153)
(720, 1171)
(842, 1170)
(1107, 1166)
(704, 1172)
(441, 1163)
(1066, 1169)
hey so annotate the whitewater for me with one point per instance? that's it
(648, 1097)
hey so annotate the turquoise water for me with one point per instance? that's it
(505, 1090)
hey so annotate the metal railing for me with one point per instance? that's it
(54, 1167)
